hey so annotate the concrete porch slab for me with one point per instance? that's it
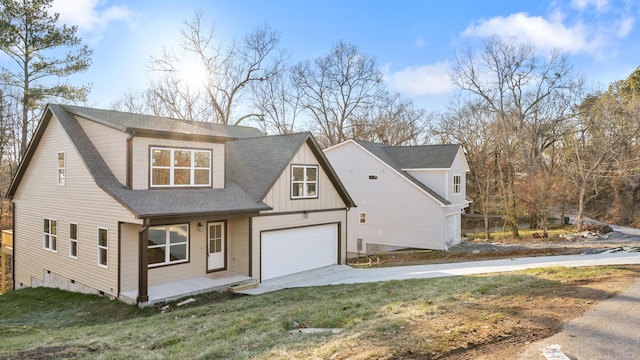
(220, 281)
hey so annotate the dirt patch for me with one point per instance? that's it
(482, 250)
(526, 319)
(54, 352)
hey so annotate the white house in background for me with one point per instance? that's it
(406, 196)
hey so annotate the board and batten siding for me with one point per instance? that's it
(398, 213)
(80, 201)
(279, 197)
(141, 157)
(288, 221)
(112, 145)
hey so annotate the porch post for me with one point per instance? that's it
(143, 262)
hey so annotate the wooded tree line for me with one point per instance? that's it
(537, 140)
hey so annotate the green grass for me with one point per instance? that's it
(241, 327)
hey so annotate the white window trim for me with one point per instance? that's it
(360, 218)
(100, 247)
(459, 186)
(61, 179)
(48, 233)
(167, 245)
(71, 240)
(172, 167)
(305, 182)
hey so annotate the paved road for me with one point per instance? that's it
(342, 274)
(611, 330)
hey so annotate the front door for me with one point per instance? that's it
(215, 246)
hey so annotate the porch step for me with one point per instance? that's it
(252, 284)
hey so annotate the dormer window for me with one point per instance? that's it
(180, 167)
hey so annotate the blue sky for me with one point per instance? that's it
(412, 41)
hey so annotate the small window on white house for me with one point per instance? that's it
(304, 181)
(61, 163)
(103, 247)
(363, 218)
(456, 184)
(50, 236)
(73, 240)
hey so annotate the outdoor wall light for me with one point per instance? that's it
(305, 214)
(200, 227)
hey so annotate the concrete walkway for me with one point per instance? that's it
(342, 274)
(610, 330)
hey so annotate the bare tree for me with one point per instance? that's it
(603, 130)
(529, 97)
(279, 104)
(468, 124)
(392, 120)
(229, 72)
(336, 88)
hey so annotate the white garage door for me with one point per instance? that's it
(290, 251)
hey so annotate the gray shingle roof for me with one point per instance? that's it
(414, 157)
(130, 122)
(254, 162)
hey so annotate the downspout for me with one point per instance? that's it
(143, 263)
(13, 247)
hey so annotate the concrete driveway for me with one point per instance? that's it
(343, 274)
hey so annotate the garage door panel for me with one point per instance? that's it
(290, 251)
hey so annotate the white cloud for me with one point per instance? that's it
(542, 33)
(421, 80)
(583, 4)
(91, 16)
(626, 26)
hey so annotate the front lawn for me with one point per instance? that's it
(429, 318)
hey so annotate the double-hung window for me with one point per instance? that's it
(457, 184)
(50, 236)
(304, 181)
(61, 164)
(103, 247)
(180, 167)
(73, 240)
(168, 244)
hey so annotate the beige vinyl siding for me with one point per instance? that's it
(129, 256)
(262, 223)
(197, 265)
(80, 201)
(141, 159)
(238, 245)
(112, 145)
(279, 197)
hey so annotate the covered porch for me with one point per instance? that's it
(170, 291)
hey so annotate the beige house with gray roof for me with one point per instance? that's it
(148, 209)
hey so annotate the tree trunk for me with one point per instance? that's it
(579, 217)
